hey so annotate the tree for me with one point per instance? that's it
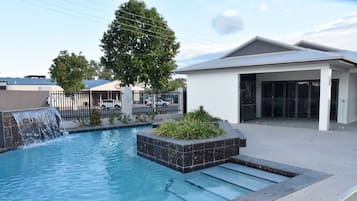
(100, 71)
(173, 85)
(139, 46)
(68, 70)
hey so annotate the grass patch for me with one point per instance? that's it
(195, 125)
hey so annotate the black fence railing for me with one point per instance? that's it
(79, 105)
(165, 102)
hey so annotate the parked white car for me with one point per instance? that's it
(109, 104)
(159, 102)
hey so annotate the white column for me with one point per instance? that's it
(180, 100)
(127, 101)
(343, 88)
(325, 98)
(238, 98)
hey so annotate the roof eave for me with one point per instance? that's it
(268, 64)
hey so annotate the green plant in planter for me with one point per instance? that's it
(200, 115)
(111, 118)
(141, 117)
(119, 116)
(83, 122)
(125, 118)
(195, 125)
(95, 118)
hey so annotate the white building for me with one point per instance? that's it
(266, 78)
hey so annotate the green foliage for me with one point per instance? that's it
(195, 125)
(141, 117)
(152, 115)
(188, 130)
(83, 122)
(69, 70)
(95, 118)
(119, 116)
(200, 115)
(111, 118)
(173, 85)
(100, 71)
(126, 119)
(139, 49)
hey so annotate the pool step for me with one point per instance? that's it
(237, 178)
(255, 172)
(218, 187)
(188, 192)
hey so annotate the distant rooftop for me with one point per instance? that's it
(40, 80)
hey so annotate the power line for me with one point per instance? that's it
(82, 15)
(199, 37)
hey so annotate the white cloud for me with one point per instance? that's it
(340, 33)
(227, 22)
(263, 6)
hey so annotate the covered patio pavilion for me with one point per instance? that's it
(267, 79)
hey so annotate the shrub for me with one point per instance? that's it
(152, 115)
(111, 118)
(200, 115)
(83, 122)
(95, 118)
(195, 125)
(124, 118)
(141, 117)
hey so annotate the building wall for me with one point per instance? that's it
(216, 91)
(12, 100)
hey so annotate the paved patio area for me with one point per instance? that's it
(302, 123)
(333, 152)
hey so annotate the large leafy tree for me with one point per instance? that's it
(173, 85)
(100, 71)
(68, 70)
(139, 46)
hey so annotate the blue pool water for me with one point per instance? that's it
(99, 165)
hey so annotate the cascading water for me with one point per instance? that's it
(38, 125)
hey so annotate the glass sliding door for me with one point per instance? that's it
(296, 99)
(279, 99)
(291, 104)
(267, 99)
(247, 97)
(303, 99)
(315, 99)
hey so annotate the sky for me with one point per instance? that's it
(33, 32)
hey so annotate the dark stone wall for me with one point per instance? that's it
(187, 157)
(10, 134)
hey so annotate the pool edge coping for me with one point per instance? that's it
(107, 127)
(300, 178)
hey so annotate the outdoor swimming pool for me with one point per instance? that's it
(103, 165)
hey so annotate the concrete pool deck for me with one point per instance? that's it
(332, 152)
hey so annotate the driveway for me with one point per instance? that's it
(333, 152)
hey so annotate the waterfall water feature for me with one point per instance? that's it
(38, 125)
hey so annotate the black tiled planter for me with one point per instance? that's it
(189, 155)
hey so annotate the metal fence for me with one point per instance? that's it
(165, 102)
(79, 105)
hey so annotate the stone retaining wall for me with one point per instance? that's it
(189, 155)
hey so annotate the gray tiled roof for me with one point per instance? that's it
(292, 56)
